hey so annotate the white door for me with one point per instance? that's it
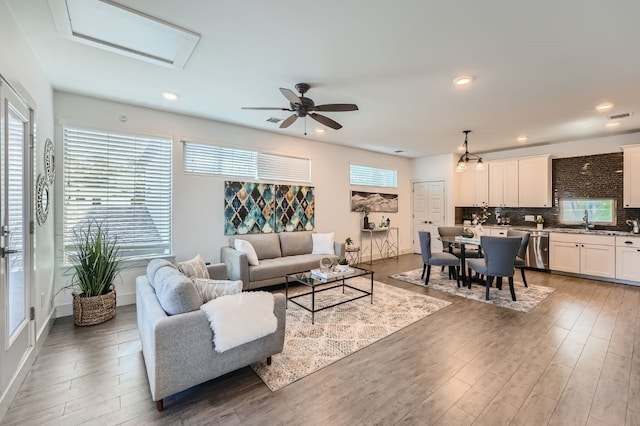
(428, 212)
(15, 195)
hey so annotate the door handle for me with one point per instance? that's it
(4, 251)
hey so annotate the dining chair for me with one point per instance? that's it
(436, 259)
(455, 231)
(522, 251)
(499, 261)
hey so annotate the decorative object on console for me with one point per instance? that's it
(374, 201)
(467, 156)
(365, 210)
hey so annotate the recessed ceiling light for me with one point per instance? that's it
(605, 106)
(613, 124)
(170, 96)
(463, 80)
(522, 139)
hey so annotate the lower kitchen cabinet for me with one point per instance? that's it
(593, 255)
(628, 258)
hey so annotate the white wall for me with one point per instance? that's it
(198, 220)
(21, 69)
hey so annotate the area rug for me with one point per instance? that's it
(341, 330)
(527, 297)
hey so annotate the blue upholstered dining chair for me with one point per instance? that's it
(522, 251)
(436, 259)
(499, 260)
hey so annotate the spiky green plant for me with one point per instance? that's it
(97, 260)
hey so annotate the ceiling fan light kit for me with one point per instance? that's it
(303, 107)
(467, 156)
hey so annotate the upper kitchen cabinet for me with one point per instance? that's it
(503, 183)
(473, 187)
(534, 181)
(631, 177)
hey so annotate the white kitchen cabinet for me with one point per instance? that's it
(473, 187)
(564, 256)
(503, 183)
(593, 255)
(534, 181)
(631, 177)
(628, 258)
(497, 232)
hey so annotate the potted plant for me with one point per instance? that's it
(343, 264)
(348, 241)
(539, 222)
(96, 263)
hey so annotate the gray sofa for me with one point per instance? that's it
(178, 349)
(278, 254)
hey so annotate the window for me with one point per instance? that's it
(224, 161)
(372, 176)
(122, 181)
(600, 211)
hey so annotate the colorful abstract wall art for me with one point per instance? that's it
(258, 208)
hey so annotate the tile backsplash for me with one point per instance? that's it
(590, 176)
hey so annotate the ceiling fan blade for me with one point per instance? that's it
(292, 97)
(325, 120)
(268, 108)
(288, 121)
(336, 107)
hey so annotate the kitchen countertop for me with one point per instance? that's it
(565, 230)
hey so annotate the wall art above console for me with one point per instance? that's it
(257, 208)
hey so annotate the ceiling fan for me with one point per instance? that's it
(303, 107)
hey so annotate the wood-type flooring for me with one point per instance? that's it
(573, 360)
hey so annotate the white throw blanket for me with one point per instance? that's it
(240, 318)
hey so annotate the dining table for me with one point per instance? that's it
(462, 242)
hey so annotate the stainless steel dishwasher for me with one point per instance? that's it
(538, 250)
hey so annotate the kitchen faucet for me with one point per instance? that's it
(586, 220)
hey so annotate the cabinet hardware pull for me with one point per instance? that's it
(628, 242)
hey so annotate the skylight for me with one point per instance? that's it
(116, 28)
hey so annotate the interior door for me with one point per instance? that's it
(428, 212)
(16, 332)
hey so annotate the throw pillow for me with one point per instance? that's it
(244, 246)
(175, 292)
(323, 243)
(194, 268)
(210, 289)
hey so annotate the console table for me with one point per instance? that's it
(385, 242)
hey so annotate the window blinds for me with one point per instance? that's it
(373, 176)
(225, 161)
(123, 181)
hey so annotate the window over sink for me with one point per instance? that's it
(600, 211)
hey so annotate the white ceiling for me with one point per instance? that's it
(540, 67)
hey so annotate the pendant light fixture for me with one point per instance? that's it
(467, 156)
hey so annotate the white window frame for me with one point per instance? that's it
(360, 175)
(217, 160)
(590, 206)
(124, 182)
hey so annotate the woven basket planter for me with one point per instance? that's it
(94, 310)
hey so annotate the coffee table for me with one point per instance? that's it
(318, 285)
